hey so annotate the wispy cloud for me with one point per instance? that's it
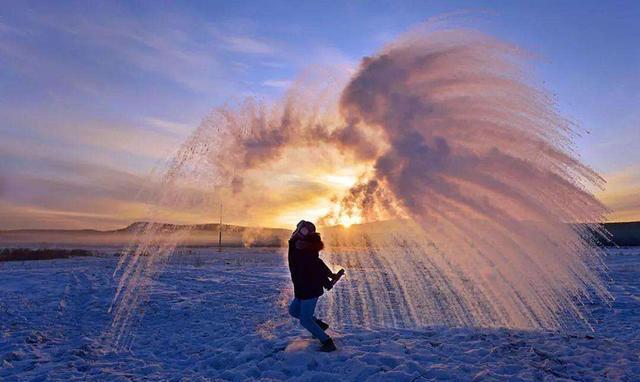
(180, 129)
(89, 139)
(71, 195)
(246, 44)
(281, 84)
(110, 44)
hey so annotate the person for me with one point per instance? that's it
(310, 276)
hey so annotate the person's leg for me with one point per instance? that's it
(323, 325)
(294, 308)
(307, 307)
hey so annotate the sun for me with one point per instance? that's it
(347, 221)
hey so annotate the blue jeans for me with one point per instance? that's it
(303, 310)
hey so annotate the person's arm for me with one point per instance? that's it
(327, 283)
(324, 269)
(332, 278)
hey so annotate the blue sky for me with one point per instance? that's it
(94, 95)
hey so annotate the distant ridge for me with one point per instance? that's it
(622, 234)
(197, 235)
(139, 226)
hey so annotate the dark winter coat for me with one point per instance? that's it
(308, 272)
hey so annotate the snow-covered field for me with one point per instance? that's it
(222, 316)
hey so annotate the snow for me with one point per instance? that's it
(222, 316)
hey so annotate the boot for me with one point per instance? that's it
(328, 346)
(323, 325)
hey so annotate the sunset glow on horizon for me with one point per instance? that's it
(96, 100)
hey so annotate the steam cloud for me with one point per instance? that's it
(468, 158)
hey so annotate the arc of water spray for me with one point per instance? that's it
(465, 152)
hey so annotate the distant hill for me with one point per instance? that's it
(209, 227)
(622, 234)
(195, 235)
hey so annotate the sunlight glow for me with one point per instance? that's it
(344, 181)
(346, 221)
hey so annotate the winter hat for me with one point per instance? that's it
(304, 228)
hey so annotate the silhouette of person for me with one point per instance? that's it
(310, 276)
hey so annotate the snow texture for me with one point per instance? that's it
(222, 316)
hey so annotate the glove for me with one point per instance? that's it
(335, 279)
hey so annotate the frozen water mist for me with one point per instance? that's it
(468, 162)
(481, 163)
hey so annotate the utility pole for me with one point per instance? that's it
(220, 231)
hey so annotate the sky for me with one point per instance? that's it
(95, 96)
